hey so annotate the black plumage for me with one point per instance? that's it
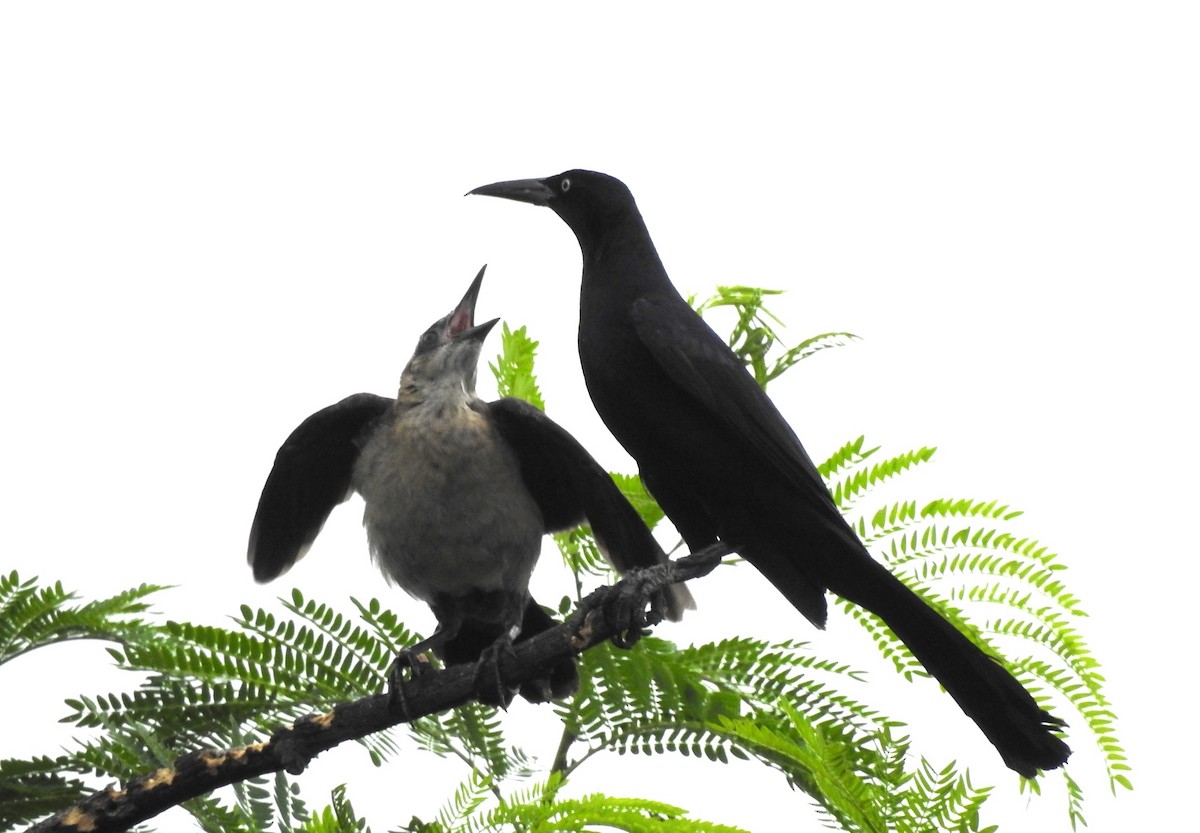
(725, 465)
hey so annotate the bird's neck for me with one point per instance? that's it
(618, 272)
(620, 268)
(438, 396)
(622, 260)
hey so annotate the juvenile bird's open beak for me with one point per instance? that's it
(462, 320)
(478, 333)
(522, 190)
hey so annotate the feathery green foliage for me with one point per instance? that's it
(513, 368)
(778, 704)
(753, 337)
(538, 809)
(35, 788)
(337, 817)
(33, 617)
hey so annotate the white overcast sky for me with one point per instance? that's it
(217, 218)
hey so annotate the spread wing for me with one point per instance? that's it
(311, 475)
(571, 488)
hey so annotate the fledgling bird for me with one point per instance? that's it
(459, 493)
(725, 465)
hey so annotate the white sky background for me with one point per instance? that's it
(215, 220)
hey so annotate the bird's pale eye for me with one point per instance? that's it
(565, 185)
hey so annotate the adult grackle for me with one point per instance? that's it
(724, 464)
(458, 493)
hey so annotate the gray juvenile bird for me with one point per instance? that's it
(459, 493)
(725, 465)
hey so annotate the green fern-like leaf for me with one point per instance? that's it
(214, 816)
(255, 802)
(976, 567)
(337, 817)
(635, 492)
(660, 700)
(290, 810)
(753, 336)
(35, 788)
(860, 480)
(470, 796)
(849, 455)
(581, 554)
(539, 809)
(513, 368)
(32, 616)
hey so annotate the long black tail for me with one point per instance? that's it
(1021, 731)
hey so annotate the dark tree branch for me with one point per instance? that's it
(607, 613)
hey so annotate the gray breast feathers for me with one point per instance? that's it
(446, 510)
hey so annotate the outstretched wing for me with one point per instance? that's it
(571, 488)
(311, 475)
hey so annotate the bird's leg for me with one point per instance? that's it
(413, 659)
(638, 604)
(489, 687)
(640, 600)
(704, 561)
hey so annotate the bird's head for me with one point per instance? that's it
(447, 354)
(588, 202)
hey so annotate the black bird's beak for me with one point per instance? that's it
(478, 333)
(462, 320)
(522, 190)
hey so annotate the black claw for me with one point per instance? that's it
(629, 607)
(415, 664)
(637, 605)
(628, 638)
(659, 602)
(489, 687)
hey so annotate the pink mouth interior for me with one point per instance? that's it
(460, 321)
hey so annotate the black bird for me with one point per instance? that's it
(724, 464)
(459, 493)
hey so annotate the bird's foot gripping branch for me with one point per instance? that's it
(639, 600)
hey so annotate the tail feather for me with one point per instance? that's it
(832, 558)
(1021, 731)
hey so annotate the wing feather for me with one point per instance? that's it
(311, 475)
